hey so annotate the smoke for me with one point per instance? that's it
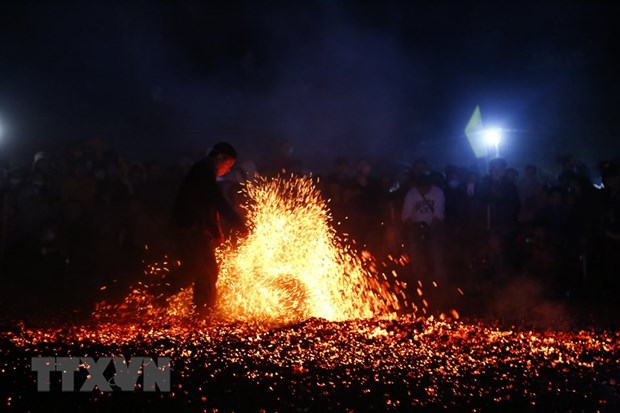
(310, 75)
(333, 77)
(344, 92)
(523, 300)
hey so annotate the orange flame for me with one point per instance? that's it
(293, 266)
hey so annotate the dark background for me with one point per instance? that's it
(393, 79)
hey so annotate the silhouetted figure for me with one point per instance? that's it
(284, 161)
(196, 220)
(457, 243)
(610, 228)
(531, 195)
(501, 198)
(338, 185)
(550, 240)
(501, 207)
(364, 205)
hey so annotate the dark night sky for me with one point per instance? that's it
(381, 77)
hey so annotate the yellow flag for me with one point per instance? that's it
(474, 132)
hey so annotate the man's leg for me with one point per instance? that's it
(205, 294)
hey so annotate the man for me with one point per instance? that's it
(531, 194)
(610, 228)
(195, 217)
(365, 206)
(423, 212)
(500, 200)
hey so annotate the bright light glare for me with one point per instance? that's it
(493, 136)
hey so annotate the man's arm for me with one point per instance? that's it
(440, 205)
(215, 195)
(228, 212)
(208, 196)
(407, 212)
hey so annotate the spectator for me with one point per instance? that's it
(284, 161)
(610, 173)
(456, 239)
(365, 205)
(338, 184)
(530, 195)
(423, 213)
(552, 221)
(500, 200)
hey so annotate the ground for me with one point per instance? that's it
(421, 363)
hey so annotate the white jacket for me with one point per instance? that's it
(418, 209)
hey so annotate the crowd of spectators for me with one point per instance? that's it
(479, 230)
(75, 223)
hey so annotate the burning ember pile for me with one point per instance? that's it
(363, 365)
(306, 323)
(293, 266)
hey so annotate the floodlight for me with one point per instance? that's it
(493, 136)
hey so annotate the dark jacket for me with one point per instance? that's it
(199, 202)
(502, 199)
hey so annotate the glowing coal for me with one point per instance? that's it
(358, 365)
